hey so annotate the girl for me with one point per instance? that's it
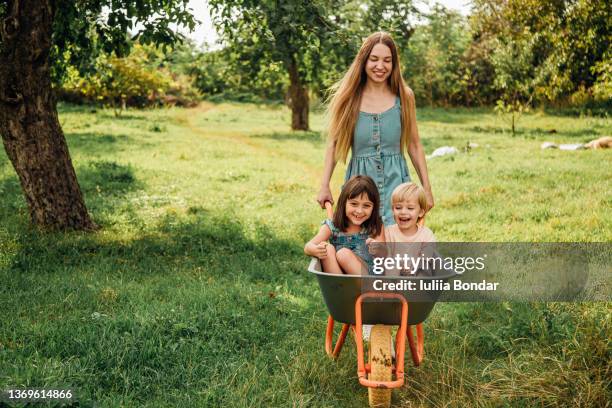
(372, 113)
(355, 219)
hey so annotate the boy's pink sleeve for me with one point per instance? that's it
(429, 236)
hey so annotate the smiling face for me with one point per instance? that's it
(406, 214)
(358, 209)
(379, 64)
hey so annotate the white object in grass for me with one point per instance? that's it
(443, 151)
(571, 146)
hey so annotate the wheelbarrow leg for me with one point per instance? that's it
(416, 347)
(329, 334)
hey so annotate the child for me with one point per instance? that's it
(355, 219)
(408, 203)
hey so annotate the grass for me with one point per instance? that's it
(195, 292)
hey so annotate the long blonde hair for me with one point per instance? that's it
(345, 97)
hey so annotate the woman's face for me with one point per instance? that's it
(379, 64)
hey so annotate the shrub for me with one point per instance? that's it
(134, 80)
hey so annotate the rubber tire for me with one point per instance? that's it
(380, 365)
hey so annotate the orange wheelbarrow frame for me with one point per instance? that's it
(405, 330)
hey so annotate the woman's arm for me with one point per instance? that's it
(416, 152)
(328, 169)
(317, 246)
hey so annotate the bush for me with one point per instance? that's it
(135, 80)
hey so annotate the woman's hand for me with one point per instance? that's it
(429, 200)
(328, 169)
(324, 195)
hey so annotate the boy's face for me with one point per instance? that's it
(407, 212)
(359, 209)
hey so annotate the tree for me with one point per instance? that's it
(433, 60)
(36, 33)
(568, 39)
(287, 31)
(314, 41)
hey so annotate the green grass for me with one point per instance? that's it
(195, 292)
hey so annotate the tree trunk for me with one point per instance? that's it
(298, 99)
(29, 124)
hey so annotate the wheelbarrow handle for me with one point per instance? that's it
(329, 209)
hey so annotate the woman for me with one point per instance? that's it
(372, 112)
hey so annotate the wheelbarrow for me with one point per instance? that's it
(357, 300)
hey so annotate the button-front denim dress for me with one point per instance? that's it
(355, 242)
(376, 153)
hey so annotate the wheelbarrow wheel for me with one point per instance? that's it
(380, 365)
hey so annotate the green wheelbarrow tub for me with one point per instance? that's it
(341, 291)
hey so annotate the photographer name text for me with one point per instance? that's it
(434, 285)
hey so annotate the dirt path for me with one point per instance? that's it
(190, 115)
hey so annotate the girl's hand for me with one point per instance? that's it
(321, 250)
(324, 195)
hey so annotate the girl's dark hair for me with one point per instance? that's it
(354, 187)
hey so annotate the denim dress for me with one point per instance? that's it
(376, 153)
(355, 242)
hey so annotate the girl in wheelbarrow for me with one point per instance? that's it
(355, 221)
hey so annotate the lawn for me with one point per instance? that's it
(195, 290)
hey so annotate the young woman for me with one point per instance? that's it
(372, 113)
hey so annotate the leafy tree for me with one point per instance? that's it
(33, 35)
(514, 77)
(221, 75)
(313, 41)
(433, 59)
(602, 89)
(289, 32)
(567, 38)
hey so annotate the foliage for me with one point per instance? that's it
(447, 60)
(567, 39)
(321, 38)
(218, 77)
(433, 59)
(514, 77)
(134, 80)
(82, 30)
(602, 88)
